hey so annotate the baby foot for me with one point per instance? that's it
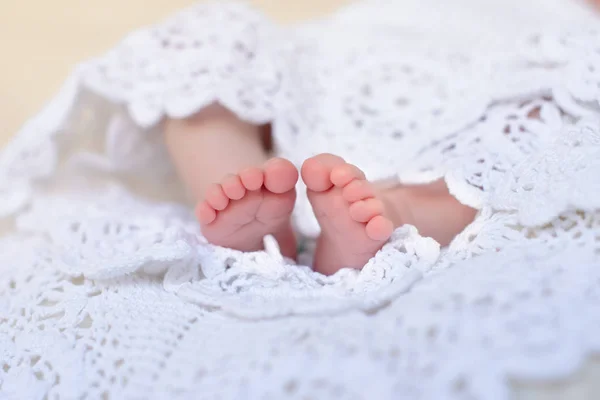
(243, 208)
(353, 225)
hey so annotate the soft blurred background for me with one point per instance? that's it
(42, 40)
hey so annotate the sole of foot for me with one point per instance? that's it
(243, 208)
(352, 219)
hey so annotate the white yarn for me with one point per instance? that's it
(107, 287)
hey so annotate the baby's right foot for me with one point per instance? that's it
(243, 208)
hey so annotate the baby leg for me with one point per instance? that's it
(431, 208)
(241, 194)
(357, 217)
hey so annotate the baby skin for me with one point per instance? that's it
(242, 195)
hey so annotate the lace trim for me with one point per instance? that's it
(186, 63)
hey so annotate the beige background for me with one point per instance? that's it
(42, 40)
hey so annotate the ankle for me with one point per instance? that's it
(399, 206)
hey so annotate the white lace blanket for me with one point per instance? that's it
(108, 290)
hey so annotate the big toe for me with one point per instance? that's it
(281, 175)
(316, 171)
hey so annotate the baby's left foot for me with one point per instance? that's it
(353, 224)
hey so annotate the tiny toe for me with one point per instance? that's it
(342, 175)
(379, 228)
(205, 213)
(233, 188)
(358, 190)
(316, 171)
(280, 175)
(365, 210)
(252, 178)
(216, 197)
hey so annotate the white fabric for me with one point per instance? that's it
(108, 288)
